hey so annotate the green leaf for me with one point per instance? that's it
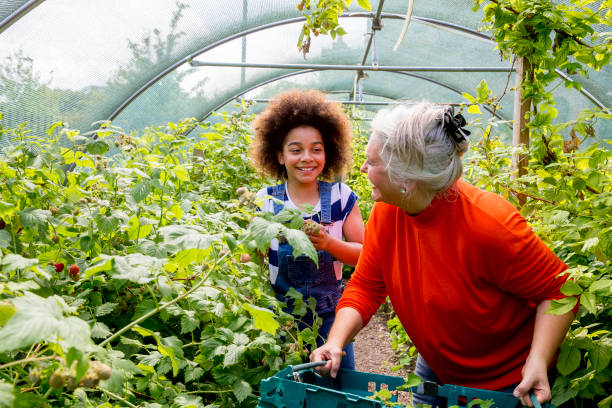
(411, 381)
(600, 354)
(263, 231)
(87, 243)
(189, 324)
(571, 288)
(263, 318)
(562, 306)
(6, 395)
(140, 191)
(33, 217)
(13, 262)
(596, 180)
(82, 363)
(590, 243)
(107, 225)
(475, 109)
(42, 319)
(105, 309)
(339, 30)
(233, 354)
(100, 331)
(301, 244)
(6, 311)
(365, 4)
(188, 401)
(482, 91)
(5, 239)
(51, 128)
(568, 360)
(137, 268)
(299, 307)
(468, 97)
(73, 194)
(138, 228)
(562, 391)
(242, 390)
(105, 264)
(589, 301)
(192, 373)
(97, 147)
(602, 285)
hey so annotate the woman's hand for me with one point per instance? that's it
(535, 378)
(330, 352)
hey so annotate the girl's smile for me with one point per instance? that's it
(303, 155)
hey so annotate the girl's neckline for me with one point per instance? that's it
(316, 209)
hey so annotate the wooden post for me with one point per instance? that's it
(520, 132)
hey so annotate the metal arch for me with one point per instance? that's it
(215, 44)
(425, 20)
(188, 58)
(268, 81)
(17, 14)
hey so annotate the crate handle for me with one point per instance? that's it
(306, 366)
(536, 404)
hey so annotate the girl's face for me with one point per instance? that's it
(303, 155)
(383, 189)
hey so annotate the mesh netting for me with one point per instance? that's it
(85, 61)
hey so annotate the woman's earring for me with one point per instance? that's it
(403, 190)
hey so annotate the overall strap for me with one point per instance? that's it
(325, 196)
(278, 192)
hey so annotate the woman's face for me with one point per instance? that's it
(383, 189)
(303, 155)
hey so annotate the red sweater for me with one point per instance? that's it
(464, 277)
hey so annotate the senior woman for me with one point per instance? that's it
(466, 275)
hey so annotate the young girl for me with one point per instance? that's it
(303, 138)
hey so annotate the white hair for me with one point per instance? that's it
(416, 147)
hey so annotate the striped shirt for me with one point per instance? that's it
(343, 200)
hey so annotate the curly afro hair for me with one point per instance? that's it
(294, 108)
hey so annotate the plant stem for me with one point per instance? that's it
(117, 397)
(171, 302)
(25, 360)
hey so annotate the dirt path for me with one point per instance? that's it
(373, 352)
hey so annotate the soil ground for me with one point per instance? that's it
(373, 351)
(374, 354)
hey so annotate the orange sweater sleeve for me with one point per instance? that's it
(366, 289)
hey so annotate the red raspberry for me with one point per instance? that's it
(74, 270)
(58, 267)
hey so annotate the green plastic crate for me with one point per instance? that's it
(300, 387)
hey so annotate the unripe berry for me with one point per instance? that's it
(56, 381)
(311, 227)
(103, 371)
(89, 381)
(55, 238)
(54, 210)
(244, 258)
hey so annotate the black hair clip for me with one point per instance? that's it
(453, 125)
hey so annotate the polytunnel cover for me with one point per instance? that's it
(120, 60)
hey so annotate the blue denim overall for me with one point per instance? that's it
(302, 274)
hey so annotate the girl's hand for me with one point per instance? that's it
(535, 379)
(321, 240)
